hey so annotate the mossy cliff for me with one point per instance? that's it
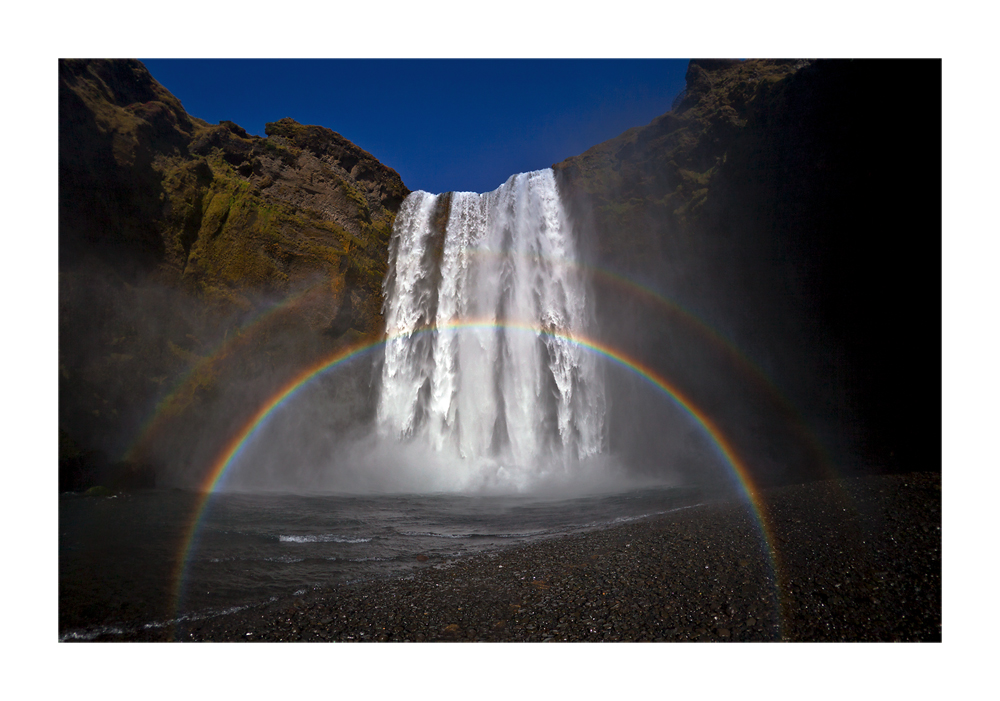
(794, 207)
(195, 258)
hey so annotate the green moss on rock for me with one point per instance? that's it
(177, 236)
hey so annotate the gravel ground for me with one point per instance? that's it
(857, 560)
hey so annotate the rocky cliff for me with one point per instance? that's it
(789, 214)
(196, 257)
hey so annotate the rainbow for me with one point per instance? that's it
(230, 453)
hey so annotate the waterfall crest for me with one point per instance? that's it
(482, 298)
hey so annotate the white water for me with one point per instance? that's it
(502, 403)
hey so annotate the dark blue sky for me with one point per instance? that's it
(445, 124)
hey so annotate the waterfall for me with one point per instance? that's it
(482, 299)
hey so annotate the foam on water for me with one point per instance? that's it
(321, 538)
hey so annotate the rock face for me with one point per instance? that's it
(789, 211)
(195, 257)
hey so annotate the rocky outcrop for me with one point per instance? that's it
(177, 236)
(790, 212)
(648, 183)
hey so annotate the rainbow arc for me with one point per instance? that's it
(230, 453)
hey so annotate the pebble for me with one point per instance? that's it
(673, 577)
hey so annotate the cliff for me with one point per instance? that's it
(788, 213)
(196, 256)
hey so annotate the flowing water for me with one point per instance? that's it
(483, 297)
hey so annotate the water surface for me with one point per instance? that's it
(118, 556)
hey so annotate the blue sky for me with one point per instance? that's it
(442, 124)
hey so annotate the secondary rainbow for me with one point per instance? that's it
(163, 407)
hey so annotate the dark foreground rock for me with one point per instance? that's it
(856, 560)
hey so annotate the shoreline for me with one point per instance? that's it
(856, 559)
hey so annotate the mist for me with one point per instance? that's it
(154, 380)
(290, 458)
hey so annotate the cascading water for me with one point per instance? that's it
(482, 298)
